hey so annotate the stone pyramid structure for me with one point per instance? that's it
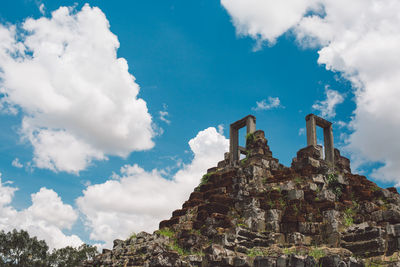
(256, 212)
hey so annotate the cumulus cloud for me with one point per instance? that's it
(360, 39)
(45, 218)
(327, 107)
(266, 19)
(136, 200)
(273, 102)
(78, 100)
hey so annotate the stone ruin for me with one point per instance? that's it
(257, 212)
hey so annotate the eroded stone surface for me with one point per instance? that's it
(261, 213)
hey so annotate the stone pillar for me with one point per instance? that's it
(233, 144)
(311, 130)
(251, 125)
(328, 144)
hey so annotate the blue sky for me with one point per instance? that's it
(201, 64)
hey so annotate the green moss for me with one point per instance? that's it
(334, 185)
(317, 253)
(254, 252)
(166, 232)
(349, 214)
(249, 138)
(133, 235)
(205, 178)
(297, 180)
(175, 247)
(374, 188)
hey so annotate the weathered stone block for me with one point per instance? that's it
(392, 216)
(377, 216)
(288, 186)
(295, 194)
(313, 162)
(272, 226)
(326, 195)
(273, 215)
(295, 238)
(318, 178)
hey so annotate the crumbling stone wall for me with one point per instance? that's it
(261, 213)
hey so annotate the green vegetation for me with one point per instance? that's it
(173, 244)
(297, 180)
(204, 180)
(317, 253)
(175, 247)
(17, 248)
(282, 203)
(133, 235)
(166, 232)
(334, 185)
(374, 188)
(349, 214)
(277, 188)
(249, 138)
(253, 252)
(242, 225)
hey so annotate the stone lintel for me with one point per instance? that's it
(249, 119)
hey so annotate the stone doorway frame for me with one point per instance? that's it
(234, 149)
(311, 122)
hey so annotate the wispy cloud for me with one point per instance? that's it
(16, 163)
(273, 102)
(164, 114)
(327, 107)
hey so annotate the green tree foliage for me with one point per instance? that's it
(70, 256)
(17, 248)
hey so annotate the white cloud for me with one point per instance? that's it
(42, 9)
(45, 218)
(220, 129)
(302, 131)
(79, 101)
(273, 102)
(266, 19)
(358, 38)
(16, 163)
(327, 107)
(164, 114)
(137, 200)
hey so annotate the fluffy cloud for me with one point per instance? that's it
(78, 100)
(266, 19)
(137, 200)
(45, 218)
(327, 107)
(360, 39)
(273, 102)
